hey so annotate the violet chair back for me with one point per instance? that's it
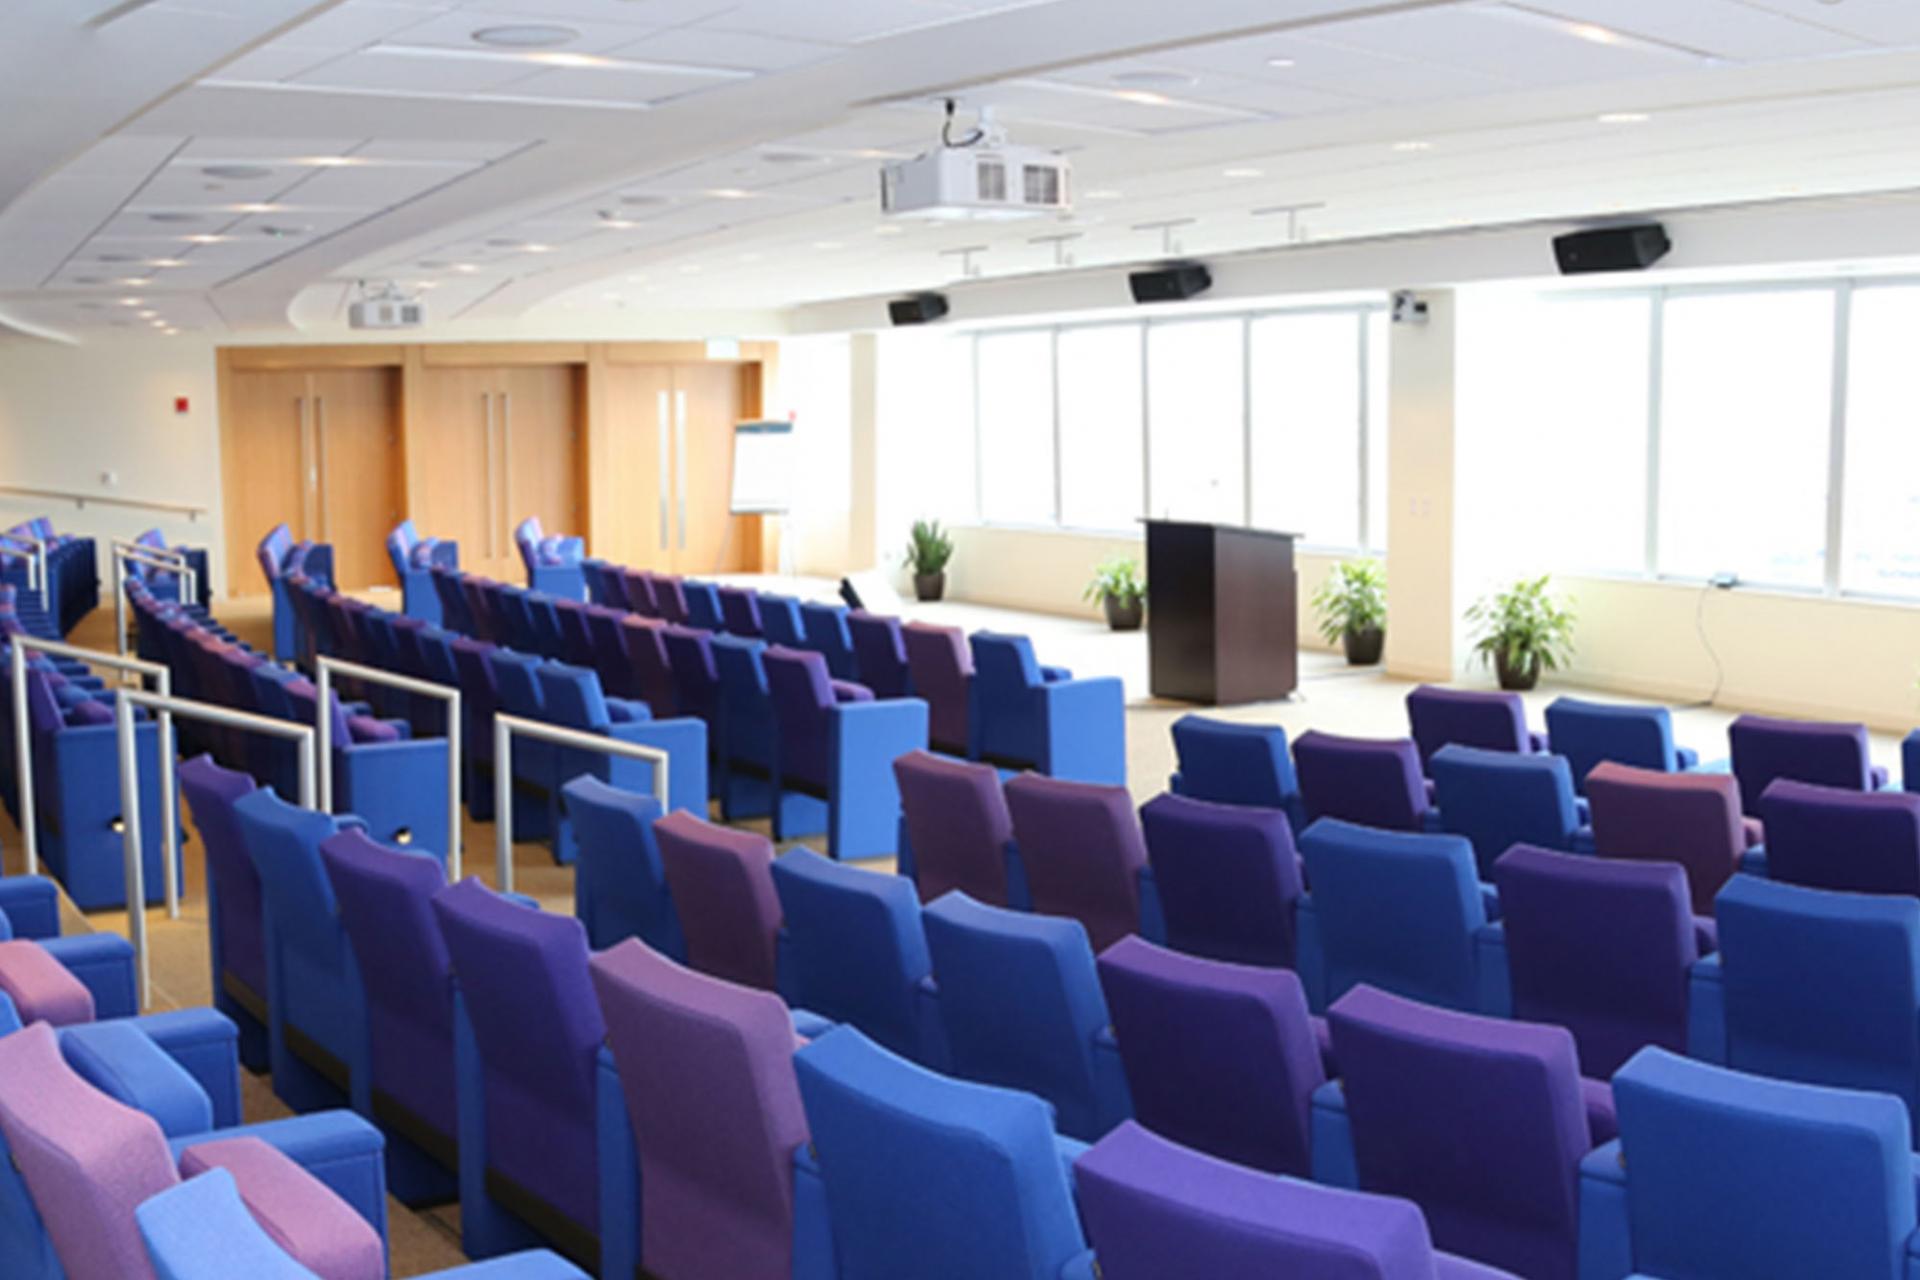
(1689, 818)
(1228, 877)
(942, 666)
(1375, 782)
(1081, 846)
(957, 824)
(1440, 717)
(880, 653)
(722, 884)
(1832, 755)
(1839, 838)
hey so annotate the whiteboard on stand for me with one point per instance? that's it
(763, 466)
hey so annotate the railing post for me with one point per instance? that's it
(456, 836)
(169, 785)
(323, 726)
(119, 601)
(135, 872)
(23, 759)
(503, 802)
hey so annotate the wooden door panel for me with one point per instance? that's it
(357, 448)
(713, 540)
(637, 462)
(267, 470)
(457, 488)
(540, 445)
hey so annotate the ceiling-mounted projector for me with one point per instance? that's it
(385, 307)
(980, 177)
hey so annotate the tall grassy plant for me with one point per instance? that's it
(1523, 629)
(1118, 579)
(929, 548)
(1352, 600)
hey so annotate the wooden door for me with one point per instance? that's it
(707, 538)
(266, 468)
(639, 466)
(357, 467)
(457, 488)
(539, 448)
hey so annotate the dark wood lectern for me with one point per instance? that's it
(1222, 613)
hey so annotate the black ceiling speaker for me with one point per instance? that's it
(1611, 249)
(919, 309)
(1174, 283)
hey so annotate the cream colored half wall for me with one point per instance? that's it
(1783, 653)
(1045, 570)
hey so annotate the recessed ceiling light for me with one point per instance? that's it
(237, 172)
(465, 268)
(1100, 193)
(1280, 63)
(329, 162)
(173, 215)
(1144, 98)
(729, 193)
(525, 36)
(1155, 76)
(538, 248)
(256, 207)
(133, 302)
(1413, 144)
(888, 229)
(146, 315)
(136, 281)
(1241, 172)
(169, 333)
(577, 61)
(828, 245)
(1624, 117)
(206, 239)
(1593, 33)
(165, 262)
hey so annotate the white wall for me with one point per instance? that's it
(1421, 605)
(69, 415)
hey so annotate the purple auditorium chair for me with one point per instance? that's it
(1498, 799)
(414, 561)
(80, 1163)
(728, 1188)
(202, 1229)
(1155, 1209)
(1020, 1001)
(479, 700)
(594, 569)
(1228, 878)
(606, 633)
(641, 596)
(1481, 1122)
(1590, 733)
(1026, 716)
(576, 640)
(1718, 1175)
(544, 1142)
(619, 885)
(1219, 1057)
(941, 670)
(1835, 838)
(747, 733)
(934, 1178)
(827, 633)
(1910, 762)
(385, 899)
(740, 611)
(1689, 818)
(235, 941)
(834, 748)
(722, 885)
(1602, 947)
(1084, 856)
(1229, 763)
(880, 653)
(696, 679)
(455, 614)
(1401, 910)
(1441, 717)
(1831, 755)
(1375, 782)
(703, 605)
(956, 832)
(644, 642)
(670, 598)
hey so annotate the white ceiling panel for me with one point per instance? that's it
(1327, 67)
(448, 151)
(611, 84)
(371, 70)
(837, 21)
(1272, 96)
(359, 23)
(710, 48)
(455, 30)
(1506, 43)
(371, 186)
(265, 150)
(1887, 22)
(1731, 28)
(651, 13)
(278, 61)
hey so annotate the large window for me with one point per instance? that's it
(1094, 426)
(1881, 537)
(1746, 402)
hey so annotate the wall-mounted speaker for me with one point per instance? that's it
(1174, 283)
(921, 308)
(1611, 249)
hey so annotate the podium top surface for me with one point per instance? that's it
(1150, 522)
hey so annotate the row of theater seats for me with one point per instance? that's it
(72, 588)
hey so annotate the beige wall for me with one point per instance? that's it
(1422, 613)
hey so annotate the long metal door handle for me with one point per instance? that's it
(506, 464)
(680, 459)
(307, 477)
(493, 500)
(661, 435)
(322, 492)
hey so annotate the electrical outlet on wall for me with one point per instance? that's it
(109, 479)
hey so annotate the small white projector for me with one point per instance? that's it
(386, 313)
(985, 183)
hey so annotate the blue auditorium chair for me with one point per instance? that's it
(1020, 999)
(1026, 716)
(1589, 733)
(552, 563)
(703, 606)
(572, 699)
(236, 939)
(834, 748)
(744, 711)
(1498, 799)
(781, 623)
(1399, 910)
(1764, 1004)
(1228, 763)
(1910, 761)
(604, 582)
(934, 1178)
(827, 633)
(852, 949)
(1718, 1175)
(280, 557)
(880, 653)
(414, 560)
(740, 612)
(619, 885)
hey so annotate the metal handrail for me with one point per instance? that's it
(80, 500)
(189, 581)
(37, 565)
(23, 744)
(33, 563)
(324, 667)
(504, 727)
(166, 705)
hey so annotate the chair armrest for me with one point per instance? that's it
(1331, 1142)
(1606, 1239)
(1583, 841)
(395, 787)
(1494, 985)
(126, 1065)
(1080, 1267)
(337, 1147)
(1707, 1010)
(617, 1161)
(104, 964)
(1490, 899)
(207, 1045)
(1086, 730)
(684, 739)
(809, 1024)
(31, 905)
(1753, 862)
(1687, 758)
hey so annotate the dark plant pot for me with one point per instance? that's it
(1123, 615)
(1516, 679)
(1363, 647)
(929, 586)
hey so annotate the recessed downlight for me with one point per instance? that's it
(643, 198)
(237, 172)
(526, 36)
(280, 231)
(1624, 117)
(1281, 64)
(1241, 171)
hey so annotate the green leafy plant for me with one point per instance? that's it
(929, 548)
(1523, 628)
(1118, 578)
(1352, 600)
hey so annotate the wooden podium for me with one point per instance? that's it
(1222, 613)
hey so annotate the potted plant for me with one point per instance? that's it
(1352, 604)
(927, 554)
(1521, 631)
(1118, 588)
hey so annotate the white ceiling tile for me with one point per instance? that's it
(1731, 28)
(1887, 22)
(840, 22)
(280, 60)
(454, 30)
(439, 150)
(610, 84)
(358, 23)
(265, 150)
(1509, 44)
(708, 48)
(1325, 67)
(368, 186)
(370, 70)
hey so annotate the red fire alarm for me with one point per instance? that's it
(180, 404)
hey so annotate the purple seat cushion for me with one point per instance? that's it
(41, 987)
(92, 711)
(304, 1217)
